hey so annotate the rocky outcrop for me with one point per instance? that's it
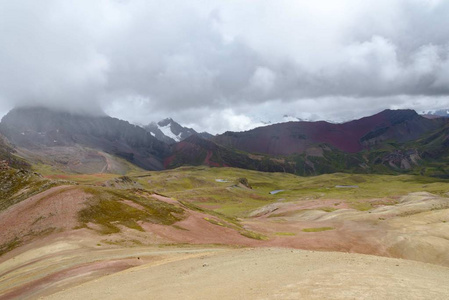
(399, 159)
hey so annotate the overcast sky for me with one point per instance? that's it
(225, 65)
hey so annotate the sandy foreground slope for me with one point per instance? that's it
(184, 261)
(269, 273)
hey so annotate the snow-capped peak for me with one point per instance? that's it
(168, 131)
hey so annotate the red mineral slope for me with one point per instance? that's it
(196, 150)
(296, 137)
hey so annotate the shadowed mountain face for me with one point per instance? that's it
(297, 137)
(40, 128)
(196, 151)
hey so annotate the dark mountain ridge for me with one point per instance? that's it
(40, 127)
(196, 150)
(351, 137)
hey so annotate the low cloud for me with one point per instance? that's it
(241, 63)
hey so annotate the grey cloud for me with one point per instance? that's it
(47, 56)
(238, 61)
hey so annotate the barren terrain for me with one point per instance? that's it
(271, 274)
(119, 237)
(223, 273)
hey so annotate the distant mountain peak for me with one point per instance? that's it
(432, 114)
(170, 131)
(166, 122)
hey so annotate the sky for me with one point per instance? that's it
(225, 65)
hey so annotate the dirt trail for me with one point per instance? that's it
(271, 274)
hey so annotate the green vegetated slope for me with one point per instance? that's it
(17, 185)
(18, 181)
(199, 185)
(216, 188)
(108, 209)
(435, 153)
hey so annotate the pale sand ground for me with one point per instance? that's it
(269, 274)
(81, 264)
(57, 265)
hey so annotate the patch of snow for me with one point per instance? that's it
(167, 131)
(152, 134)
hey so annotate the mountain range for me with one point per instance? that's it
(298, 137)
(392, 141)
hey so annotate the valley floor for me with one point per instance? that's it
(183, 235)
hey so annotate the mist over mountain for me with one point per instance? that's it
(442, 113)
(37, 128)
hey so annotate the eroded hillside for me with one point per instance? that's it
(110, 223)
